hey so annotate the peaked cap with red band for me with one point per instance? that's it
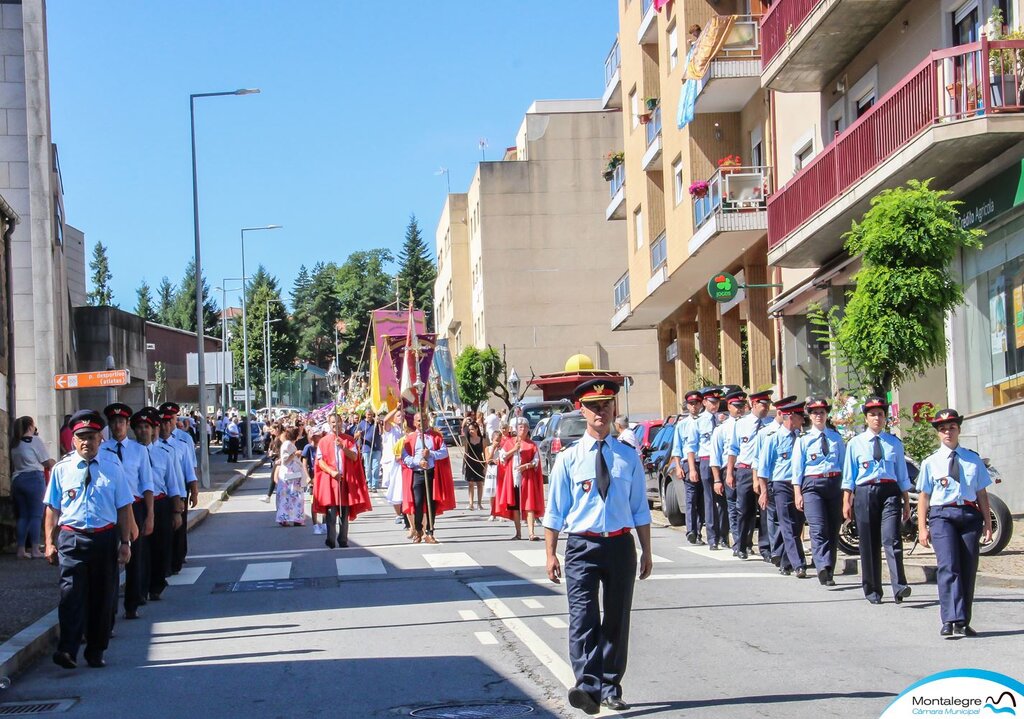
(784, 401)
(86, 420)
(947, 415)
(792, 408)
(875, 402)
(117, 409)
(596, 390)
(765, 396)
(171, 407)
(818, 403)
(694, 395)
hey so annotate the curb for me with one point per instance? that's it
(33, 641)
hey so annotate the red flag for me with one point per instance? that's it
(409, 387)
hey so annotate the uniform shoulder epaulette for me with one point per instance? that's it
(972, 451)
(65, 458)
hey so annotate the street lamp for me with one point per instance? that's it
(245, 334)
(223, 340)
(204, 435)
(266, 348)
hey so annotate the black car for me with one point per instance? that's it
(562, 431)
(536, 411)
(660, 480)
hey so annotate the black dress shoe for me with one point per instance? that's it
(615, 703)
(902, 594)
(131, 614)
(581, 699)
(801, 573)
(785, 571)
(830, 582)
(95, 662)
(776, 561)
(691, 537)
(63, 659)
(947, 630)
(766, 558)
(330, 543)
(155, 596)
(874, 600)
(713, 546)
(968, 632)
(741, 554)
(823, 577)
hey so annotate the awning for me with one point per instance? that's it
(314, 370)
(821, 278)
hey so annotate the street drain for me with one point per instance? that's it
(473, 711)
(40, 706)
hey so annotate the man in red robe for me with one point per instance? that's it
(520, 480)
(428, 488)
(339, 484)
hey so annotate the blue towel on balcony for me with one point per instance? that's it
(687, 103)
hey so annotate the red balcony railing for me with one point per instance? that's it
(781, 20)
(949, 85)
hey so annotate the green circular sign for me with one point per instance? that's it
(723, 287)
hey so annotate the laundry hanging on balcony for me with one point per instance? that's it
(712, 38)
(687, 97)
(659, 4)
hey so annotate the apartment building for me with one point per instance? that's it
(526, 257)
(905, 89)
(692, 187)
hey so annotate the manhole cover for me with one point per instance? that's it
(39, 706)
(473, 711)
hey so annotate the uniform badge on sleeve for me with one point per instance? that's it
(814, 457)
(72, 493)
(587, 484)
(865, 465)
(944, 482)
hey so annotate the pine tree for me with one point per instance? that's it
(101, 295)
(165, 301)
(300, 291)
(322, 310)
(417, 271)
(183, 311)
(263, 294)
(144, 303)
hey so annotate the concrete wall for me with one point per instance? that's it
(453, 311)
(996, 434)
(74, 260)
(171, 347)
(103, 331)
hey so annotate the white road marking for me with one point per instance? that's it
(486, 638)
(450, 560)
(468, 615)
(718, 575)
(530, 557)
(532, 604)
(268, 570)
(556, 622)
(660, 560)
(722, 555)
(187, 575)
(360, 565)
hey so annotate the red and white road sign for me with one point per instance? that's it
(83, 380)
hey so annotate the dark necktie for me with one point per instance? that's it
(954, 467)
(119, 455)
(792, 441)
(88, 472)
(757, 428)
(714, 420)
(877, 453)
(824, 444)
(604, 480)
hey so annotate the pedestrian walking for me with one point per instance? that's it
(66, 437)
(87, 534)
(368, 436)
(233, 434)
(736, 405)
(520, 481)
(698, 455)
(30, 461)
(316, 512)
(741, 462)
(492, 422)
(169, 496)
(490, 488)
(693, 489)
(291, 483)
(391, 466)
(876, 490)
(775, 469)
(428, 489)
(817, 486)
(599, 497)
(769, 538)
(953, 514)
(187, 453)
(473, 467)
(625, 434)
(341, 489)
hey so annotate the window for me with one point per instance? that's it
(638, 224)
(634, 107)
(865, 103)
(965, 23)
(757, 147)
(621, 291)
(673, 47)
(836, 120)
(677, 179)
(659, 253)
(802, 156)
(863, 94)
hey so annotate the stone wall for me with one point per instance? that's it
(996, 434)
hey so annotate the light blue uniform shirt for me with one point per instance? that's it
(775, 460)
(860, 466)
(742, 442)
(421, 443)
(188, 454)
(92, 506)
(574, 502)
(135, 462)
(934, 479)
(680, 435)
(810, 460)
(719, 438)
(167, 461)
(698, 440)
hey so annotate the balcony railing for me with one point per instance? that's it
(744, 39)
(949, 85)
(782, 19)
(739, 189)
(611, 63)
(654, 126)
(618, 180)
(659, 252)
(621, 291)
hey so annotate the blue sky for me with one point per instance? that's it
(361, 104)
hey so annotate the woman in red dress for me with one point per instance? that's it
(520, 480)
(339, 484)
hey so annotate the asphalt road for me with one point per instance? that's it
(267, 622)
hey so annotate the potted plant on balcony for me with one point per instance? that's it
(699, 189)
(612, 161)
(1006, 67)
(651, 103)
(730, 163)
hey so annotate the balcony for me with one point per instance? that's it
(648, 32)
(612, 97)
(734, 75)
(948, 117)
(653, 153)
(807, 42)
(621, 298)
(617, 186)
(734, 205)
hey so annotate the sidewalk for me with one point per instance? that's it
(28, 588)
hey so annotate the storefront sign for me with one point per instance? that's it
(1001, 194)
(723, 287)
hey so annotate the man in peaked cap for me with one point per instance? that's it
(776, 468)
(693, 503)
(769, 540)
(736, 405)
(741, 458)
(169, 494)
(598, 496)
(88, 533)
(187, 452)
(698, 454)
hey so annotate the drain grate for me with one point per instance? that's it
(277, 585)
(40, 706)
(473, 711)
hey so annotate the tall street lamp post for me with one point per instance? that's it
(204, 435)
(245, 335)
(224, 289)
(266, 347)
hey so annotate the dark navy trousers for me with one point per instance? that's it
(160, 545)
(732, 513)
(599, 572)
(878, 512)
(791, 526)
(716, 513)
(956, 533)
(771, 534)
(694, 502)
(746, 508)
(88, 594)
(823, 508)
(136, 572)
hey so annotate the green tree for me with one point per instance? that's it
(100, 295)
(362, 285)
(183, 310)
(893, 325)
(417, 271)
(300, 291)
(321, 310)
(478, 374)
(144, 303)
(165, 302)
(160, 380)
(262, 295)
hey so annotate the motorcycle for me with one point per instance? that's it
(1002, 522)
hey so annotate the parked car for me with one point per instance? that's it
(562, 431)
(536, 411)
(646, 431)
(661, 485)
(450, 427)
(537, 435)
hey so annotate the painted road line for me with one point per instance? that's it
(360, 566)
(556, 622)
(187, 575)
(530, 557)
(722, 555)
(660, 560)
(532, 604)
(486, 638)
(450, 560)
(468, 615)
(718, 575)
(268, 570)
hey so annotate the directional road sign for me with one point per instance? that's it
(83, 380)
